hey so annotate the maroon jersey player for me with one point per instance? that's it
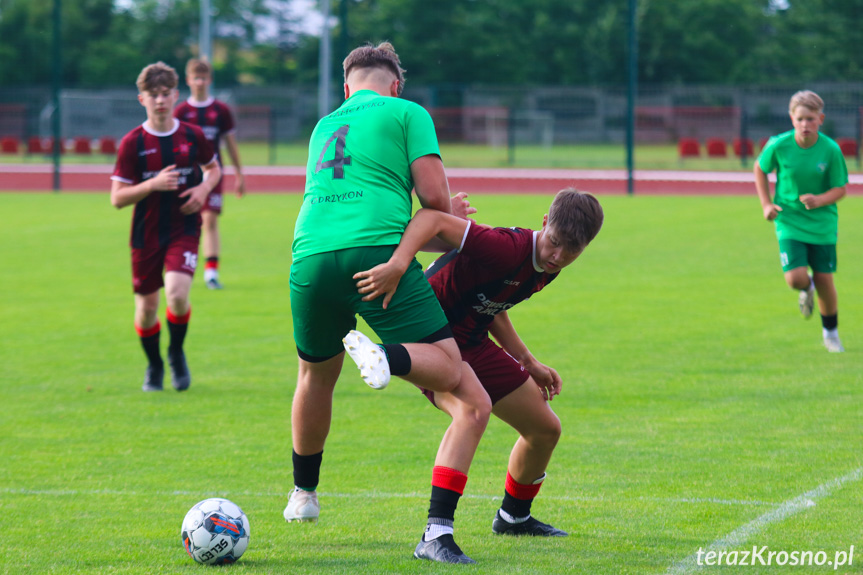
(491, 270)
(166, 169)
(216, 120)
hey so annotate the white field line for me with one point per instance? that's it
(368, 494)
(788, 508)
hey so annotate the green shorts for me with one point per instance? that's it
(796, 254)
(325, 301)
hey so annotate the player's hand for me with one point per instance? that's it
(197, 196)
(546, 378)
(461, 206)
(811, 201)
(166, 180)
(771, 211)
(381, 280)
(239, 185)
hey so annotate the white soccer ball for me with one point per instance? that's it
(215, 532)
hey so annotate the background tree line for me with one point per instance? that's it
(514, 42)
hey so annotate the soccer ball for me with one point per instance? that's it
(215, 532)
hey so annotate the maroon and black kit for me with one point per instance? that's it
(161, 236)
(215, 118)
(493, 270)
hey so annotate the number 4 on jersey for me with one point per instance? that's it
(339, 161)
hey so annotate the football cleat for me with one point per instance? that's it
(833, 344)
(370, 359)
(302, 506)
(530, 527)
(443, 549)
(153, 377)
(213, 283)
(806, 301)
(181, 379)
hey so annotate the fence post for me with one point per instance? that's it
(744, 129)
(510, 136)
(271, 133)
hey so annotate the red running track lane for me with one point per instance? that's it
(96, 178)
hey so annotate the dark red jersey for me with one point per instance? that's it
(142, 155)
(494, 269)
(213, 116)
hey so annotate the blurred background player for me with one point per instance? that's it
(364, 160)
(159, 171)
(216, 120)
(810, 178)
(490, 271)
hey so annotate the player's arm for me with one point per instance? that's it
(430, 183)
(234, 152)
(197, 195)
(762, 186)
(383, 279)
(504, 333)
(124, 194)
(831, 196)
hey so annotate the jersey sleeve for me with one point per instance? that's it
(125, 169)
(420, 133)
(497, 248)
(767, 159)
(227, 120)
(206, 152)
(838, 175)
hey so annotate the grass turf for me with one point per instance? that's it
(696, 400)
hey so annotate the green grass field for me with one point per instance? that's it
(698, 407)
(592, 156)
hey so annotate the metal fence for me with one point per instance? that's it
(485, 115)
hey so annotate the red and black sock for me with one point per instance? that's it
(177, 326)
(212, 263)
(518, 497)
(307, 470)
(447, 488)
(150, 342)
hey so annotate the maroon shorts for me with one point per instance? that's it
(213, 203)
(181, 255)
(498, 372)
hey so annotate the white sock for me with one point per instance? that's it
(510, 519)
(210, 274)
(830, 332)
(433, 531)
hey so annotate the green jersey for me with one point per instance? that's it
(799, 171)
(358, 178)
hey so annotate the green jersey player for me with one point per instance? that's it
(810, 178)
(364, 160)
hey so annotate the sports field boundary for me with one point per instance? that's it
(791, 507)
(291, 179)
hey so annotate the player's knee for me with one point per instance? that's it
(551, 430)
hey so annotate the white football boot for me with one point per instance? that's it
(832, 343)
(369, 357)
(302, 506)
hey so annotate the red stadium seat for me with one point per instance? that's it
(763, 143)
(688, 148)
(34, 145)
(743, 146)
(107, 146)
(82, 146)
(9, 145)
(716, 148)
(848, 146)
